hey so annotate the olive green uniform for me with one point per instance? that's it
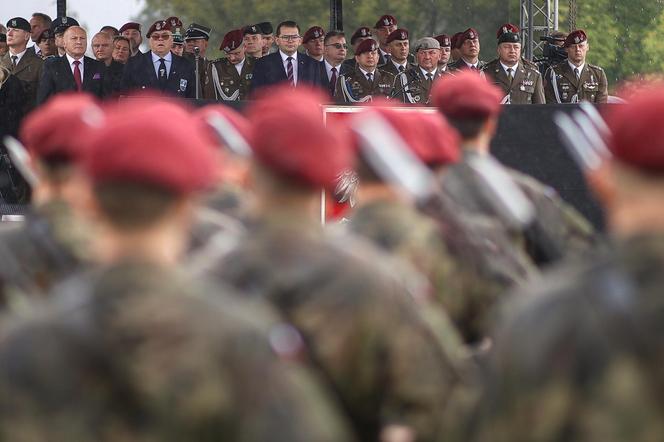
(414, 87)
(525, 87)
(562, 86)
(355, 87)
(224, 83)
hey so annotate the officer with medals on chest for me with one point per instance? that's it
(230, 77)
(520, 82)
(366, 81)
(414, 85)
(574, 80)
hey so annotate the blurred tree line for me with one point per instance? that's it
(626, 36)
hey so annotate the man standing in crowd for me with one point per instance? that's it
(230, 77)
(574, 80)
(313, 41)
(365, 81)
(121, 49)
(336, 50)
(399, 50)
(159, 68)
(46, 43)
(23, 64)
(197, 36)
(253, 41)
(358, 37)
(132, 31)
(445, 51)
(59, 26)
(39, 22)
(102, 47)
(521, 83)
(267, 32)
(287, 65)
(384, 27)
(468, 43)
(414, 85)
(75, 71)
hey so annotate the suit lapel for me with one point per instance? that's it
(65, 72)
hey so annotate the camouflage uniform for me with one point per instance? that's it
(152, 358)
(582, 360)
(358, 87)
(562, 86)
(363, 330)
(416, 84)
(525, 88)
(231, 85)
(47, 247)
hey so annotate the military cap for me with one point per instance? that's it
(176, 25)
(19, 23)
(466, 96)
(60, 127)
(232, 40)
(443, 40)
(362, 32)
(508, 33)
(637, 133)
(177, 39)
(60, 24)
(159, 25)
(386, 20)
(251, 30)
(195, 31)
(468, 34)
(366, 46)
(313, 33)
(130, 25)
(290, 139)
(139, 143)
(266, 28)
(426, 43)
(46, 34)
(455, 40)
(226, 127)
(398, 34)
(576, 37)
(3, 38)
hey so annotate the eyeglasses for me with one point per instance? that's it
(290, 37)
(160, 36)
(338, 45)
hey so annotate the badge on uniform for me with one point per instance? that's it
(183, 85)
(249, 76)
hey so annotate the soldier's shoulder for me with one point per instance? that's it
(385, 75)
(595, 67)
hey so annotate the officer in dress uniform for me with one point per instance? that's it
(414, 85)
(366, 81)
(445, 51)
(313, 41)
(383, 28)
(358, 37)
(468, 44)
(521, 83)
(574, 80)
(399, 50)
(198, 36)
(178, 39)
(132, 31)
(230, 77)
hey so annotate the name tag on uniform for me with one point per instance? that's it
(590, 86)
(183, 85)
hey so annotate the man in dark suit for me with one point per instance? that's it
(73, 71)
(159, 68)
(287, 65)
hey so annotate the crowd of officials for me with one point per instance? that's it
(173, 279)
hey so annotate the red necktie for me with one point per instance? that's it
(289, 71)
(77, 76)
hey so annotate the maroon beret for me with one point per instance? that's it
(444, 40)
(386, 20)
(159, 25)
(59, 127)
(313, 33)
(455, 40)
(362, 32)
(507, 28)
(139, 143)
(466, 96)
(175, 24)
(130, 25)
(290, 138)
(235, 134)
(232, 40)
(637, 131)
(575, 37)
(366, 46)
(398, 34)
(468, 34)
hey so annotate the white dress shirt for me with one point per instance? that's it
(284, 59)
(514, 68)
(81, 67)
(239, 66)
(20, 55)
(580, 68)
(168, 59)
(328, 69)
(433, 73)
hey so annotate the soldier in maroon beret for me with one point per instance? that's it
(468, 43)
(384, 27)
(132, 31)
(313, 42)
(365, 81)
(230, 77)
(398, 46)
(445, 51)
(358, 37)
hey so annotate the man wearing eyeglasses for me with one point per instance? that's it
(288, 65)
(334, 55)
(159, 68)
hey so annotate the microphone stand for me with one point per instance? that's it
(197, 56)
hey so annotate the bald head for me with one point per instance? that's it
(76, 41)
(102, 47)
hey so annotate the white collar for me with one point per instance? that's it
(284, 57)
(505, 67)
(72, 59)
(425, 72)
(19, 55)
(404, 64)
(580, 68)
(167, 57)
(329, 65)
(367, 72)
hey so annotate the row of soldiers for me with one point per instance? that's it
(174, 281)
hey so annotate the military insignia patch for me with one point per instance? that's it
(183, 85)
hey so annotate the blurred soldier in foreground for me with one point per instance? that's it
(582, 360)
(52, 243)
(157, 357)
(230, 77)
(574, 80)
(468, 44)
(365, 81)
(521, 83)
(380, 358)
(414, 85)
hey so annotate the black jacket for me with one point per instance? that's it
(139, 74)
(269, 70)
(57, 77)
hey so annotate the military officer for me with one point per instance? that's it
(365, 81)
(313, 41)
(414, 85)
(383, 28)
(398, 46)
(253, 41)
(454, 42)
(132, 31)
(468, 44)
(23, 64)
(521, 83)
(267, 32)
(59, 26)
(46, 43)
(230, 77)
(574, 80)
(198, 36)
(178, 38)
(358, 37)
(445, 51)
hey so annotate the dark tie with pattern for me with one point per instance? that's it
(401, 68)
(289, 71)
(333, 80)
(163, 74)
(77, 76)
(14, 60)
(510, 77)
(577, 73)
(369, 77)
